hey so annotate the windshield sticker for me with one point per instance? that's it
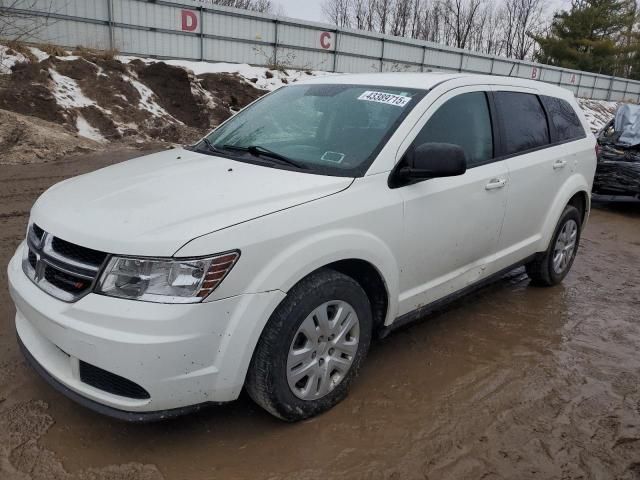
(386, 98)
(333, 157)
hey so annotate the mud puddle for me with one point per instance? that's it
(514, 382)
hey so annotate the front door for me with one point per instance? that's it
(452, 225)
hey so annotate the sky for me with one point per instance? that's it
(304, 9)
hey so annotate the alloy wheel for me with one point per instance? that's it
(565, 246)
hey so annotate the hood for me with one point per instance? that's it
(153, 205)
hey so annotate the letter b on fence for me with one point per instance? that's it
(189, 21)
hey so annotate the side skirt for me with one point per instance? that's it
(433, 307)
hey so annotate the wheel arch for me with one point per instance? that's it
(581, 201)
(574, 192)
(371, 281)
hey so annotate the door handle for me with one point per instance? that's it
(496, 183)
(559, 164)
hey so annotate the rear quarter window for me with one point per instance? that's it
(523, 120)
(565, 123)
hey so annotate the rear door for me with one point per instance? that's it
(452, 225)
(537, 170)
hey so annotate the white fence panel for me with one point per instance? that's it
(551, 75)
(370, 47)
(93, 9)
(477, 64)
(350, 64)
(443, 59)
(403, 53)
(71, 34)
(148, 43)
(305, 37)
(239, 27)
(233, 52)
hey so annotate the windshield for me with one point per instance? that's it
(327, 129)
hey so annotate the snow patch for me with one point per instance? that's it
(8, 60)
(69, 58)
(68, 93)
(87, 131)
(147, 99)
(39, 54)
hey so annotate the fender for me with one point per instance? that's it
(313, 252)
(575, 184)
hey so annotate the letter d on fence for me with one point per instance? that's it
(189, 21)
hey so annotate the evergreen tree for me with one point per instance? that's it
(591, 36)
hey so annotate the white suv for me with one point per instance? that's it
(267, 255)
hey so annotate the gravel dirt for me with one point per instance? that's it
(513, 382)
(27, 139)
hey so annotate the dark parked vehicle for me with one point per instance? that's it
(618, 171)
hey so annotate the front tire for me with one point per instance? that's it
(550, 268)
(312, 347)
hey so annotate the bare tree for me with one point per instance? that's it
(16, 21)
(497, 27)
(528, 22)
(254, 5)
(460, 17)
(338, 12)
(364, 14)
(401, 17)
(383, 14)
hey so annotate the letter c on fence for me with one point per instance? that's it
(189, 21)
(325, 40)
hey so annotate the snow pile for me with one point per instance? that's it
(262, 77)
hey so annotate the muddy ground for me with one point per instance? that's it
(515, 382)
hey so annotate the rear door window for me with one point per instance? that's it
(566, 124)
(524, 122)
(465, 121)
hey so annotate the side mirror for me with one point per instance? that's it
(434, 160)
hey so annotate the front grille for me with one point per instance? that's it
(37, 231)
(62, 269)
(111, 383)
(32, 259)
(64, 281)
(78, 253)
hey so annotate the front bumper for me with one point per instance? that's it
(184, 356)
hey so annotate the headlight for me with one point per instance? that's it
(165, 280)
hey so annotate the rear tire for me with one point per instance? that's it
(312, 347)
(550, 268)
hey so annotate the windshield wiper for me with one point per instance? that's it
(211, 147)
(258, 151)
